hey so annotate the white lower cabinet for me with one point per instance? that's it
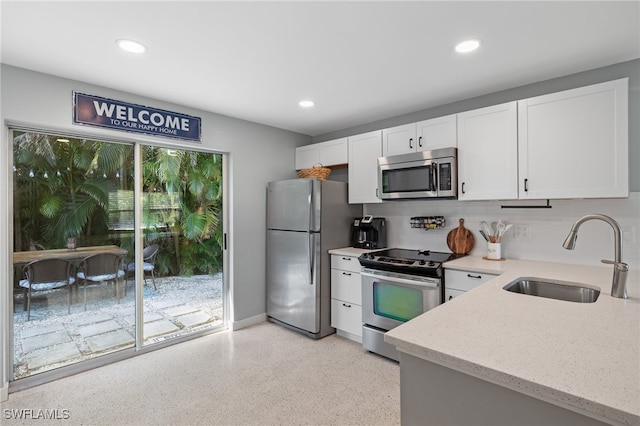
(346, 296)
(459, 282)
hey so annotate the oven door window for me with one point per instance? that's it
(414, 179)
(397, 302)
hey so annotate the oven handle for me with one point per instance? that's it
(434, 283)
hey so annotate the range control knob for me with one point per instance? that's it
(431, 264)
(422, 262)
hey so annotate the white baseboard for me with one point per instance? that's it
(350, 336)
(247, 322)
(4, 392)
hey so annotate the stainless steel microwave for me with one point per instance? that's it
(425, 174)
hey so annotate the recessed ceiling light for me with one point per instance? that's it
(131, 46)
(467, 46)
(306, 104)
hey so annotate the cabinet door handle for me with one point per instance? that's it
(463, 187)
(411, 143)
(526, 185)
(346, 305)
(347, 274)
(346, 258)
(420, 141)
(474, 276)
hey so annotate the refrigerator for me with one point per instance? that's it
(305, 219)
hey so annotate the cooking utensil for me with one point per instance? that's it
(460, 240)
(484, 235)
(485, 228)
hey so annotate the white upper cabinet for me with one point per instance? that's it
(425, 135)
(574, 144)
(330, 153)
(364, 151)
(488, 153)
(437, 133)
(399, 140)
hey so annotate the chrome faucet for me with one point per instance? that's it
(620, 269)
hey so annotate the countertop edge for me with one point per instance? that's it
(571, 402)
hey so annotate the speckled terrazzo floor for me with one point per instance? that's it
(261, 375)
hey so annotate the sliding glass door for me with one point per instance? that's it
(90, 275)
(182, 206)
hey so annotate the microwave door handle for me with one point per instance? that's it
(434, 176)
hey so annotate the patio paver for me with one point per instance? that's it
(43, 340)
(39, 329)
(156, 328)
(180, 310)
(92, 317)
(111, 340)
(99, 328)
(194, 318)
(52, 355)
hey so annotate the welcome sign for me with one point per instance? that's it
(108, 113)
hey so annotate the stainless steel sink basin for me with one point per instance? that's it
(552, 289)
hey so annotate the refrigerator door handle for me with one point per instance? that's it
(312, 259)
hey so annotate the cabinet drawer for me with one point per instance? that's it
(464, 280)
(346, 263)
(346, 286)
(346, 316)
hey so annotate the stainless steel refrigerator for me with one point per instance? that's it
(305, 219)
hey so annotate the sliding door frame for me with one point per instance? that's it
(7, 385)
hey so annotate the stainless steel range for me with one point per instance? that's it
(398, 285)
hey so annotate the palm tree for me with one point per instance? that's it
(61, 187)
(194, 179)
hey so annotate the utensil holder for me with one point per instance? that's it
(494, 251)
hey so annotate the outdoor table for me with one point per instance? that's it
(23, 257)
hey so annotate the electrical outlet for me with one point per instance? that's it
(520, 232)
(628, 234)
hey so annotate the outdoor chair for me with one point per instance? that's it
(99, 268)
(47, 274)
(148, 263)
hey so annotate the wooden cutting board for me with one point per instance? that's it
(460, 240)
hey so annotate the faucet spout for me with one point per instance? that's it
(620, 269)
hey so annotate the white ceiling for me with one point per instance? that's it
(359, 61)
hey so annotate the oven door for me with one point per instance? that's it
(391, 299)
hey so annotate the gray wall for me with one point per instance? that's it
(257, 154)
(630, 69)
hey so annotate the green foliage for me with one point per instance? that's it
(62, 189)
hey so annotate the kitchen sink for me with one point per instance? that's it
(552, 289)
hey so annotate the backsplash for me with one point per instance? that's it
(537, 234)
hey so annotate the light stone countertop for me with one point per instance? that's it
(351, 251)
(581, 356)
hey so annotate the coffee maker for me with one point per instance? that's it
(369, 232)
